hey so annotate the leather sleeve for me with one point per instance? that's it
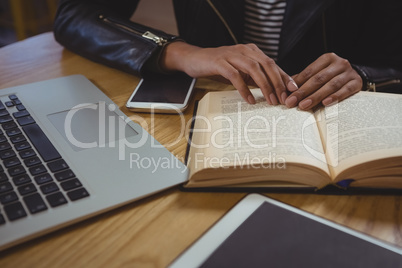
(101, 31)
(380, 79)
(373, 39)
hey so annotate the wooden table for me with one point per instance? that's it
(152, 232)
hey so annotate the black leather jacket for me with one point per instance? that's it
(366, 32)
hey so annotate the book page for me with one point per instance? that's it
(362, 128)
(240, 134)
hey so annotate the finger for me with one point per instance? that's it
(295, 86)
(277, 79)
(334, 77)
(350, 88)
(288, 80)
(311, 70)
(290, 85)
(353, 86)
(331, 87)
(275, 76)
(232, 74)
(314, 85)
(337, 89)
(250, 82)
(252, 68)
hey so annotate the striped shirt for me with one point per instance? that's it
(263, 23)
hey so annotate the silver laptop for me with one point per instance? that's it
(67, 153)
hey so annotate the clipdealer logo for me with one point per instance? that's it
(105, 127)
(234, 130)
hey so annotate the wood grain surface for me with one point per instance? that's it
(152, 232)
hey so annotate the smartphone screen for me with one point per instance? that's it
(156, 90)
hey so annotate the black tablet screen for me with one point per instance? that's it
(275, 237)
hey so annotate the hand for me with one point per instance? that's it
(327, 80)
(240, 64)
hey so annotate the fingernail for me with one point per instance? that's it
(327, 101)
(251, 99)
(273, 99)
(292, 86)
(305, 104)
(283, 97)
(291, 101)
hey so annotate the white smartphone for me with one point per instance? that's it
(161, 93)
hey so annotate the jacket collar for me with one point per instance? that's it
(231, 13)
(299, 16)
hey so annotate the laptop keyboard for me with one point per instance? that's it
(33, 175)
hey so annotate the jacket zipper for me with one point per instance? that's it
(223, 21)
(160, 41)
(373, 86)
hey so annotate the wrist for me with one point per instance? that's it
(174, 54)
(367, 85)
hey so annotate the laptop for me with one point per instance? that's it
(68, 153)
(262, 232)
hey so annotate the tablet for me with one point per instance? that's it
(262, 232)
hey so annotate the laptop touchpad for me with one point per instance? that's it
(92, 125)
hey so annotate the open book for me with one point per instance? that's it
(355, 143)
